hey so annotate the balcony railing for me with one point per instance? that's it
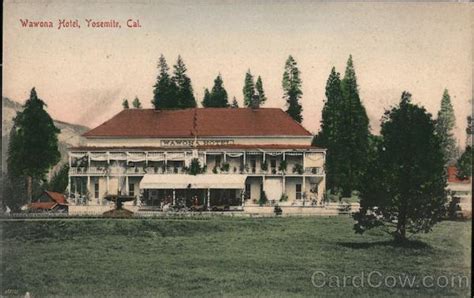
(102, 171)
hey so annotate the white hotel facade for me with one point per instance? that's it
(244, 152)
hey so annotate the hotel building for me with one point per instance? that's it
(243, 153)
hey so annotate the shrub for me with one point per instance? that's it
(277, 210)
(225, 167)
(283, 165)
(264, 166)
(195, 167)
(263, 198)
(284, 197)
(214, 170)
(298, 168)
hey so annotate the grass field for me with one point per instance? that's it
(225, 257)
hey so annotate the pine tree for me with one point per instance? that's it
(136, 103)
(184, 89)
(206, 101)
(217, 98)
(259, 91)
(292, 89)
(331, 130)
(355, 132)
(33, 147)
(249, 89)
(125, 104)
(234, 104)
(164, 93)
(445, 124)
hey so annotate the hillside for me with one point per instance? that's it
(70, 133)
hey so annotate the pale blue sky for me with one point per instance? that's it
(83, 74)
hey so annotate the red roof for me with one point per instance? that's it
(42, 205)
(453, 178)
(57, 197)
(149, 123)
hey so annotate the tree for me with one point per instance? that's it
(164, 92)
(33, 147)
(184, 90)
(125, 104)
(404, 191)
(249, 89)
(206, 101)
(136, 103)
(355, 132)
(464, 164)
(217, 98)
(59, 181)
(331, 131)
(259, 92)
(445, 124)
(292, 89)
(234, 104)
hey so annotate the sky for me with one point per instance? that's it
(83, 74)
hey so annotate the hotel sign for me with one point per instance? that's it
(195, 143)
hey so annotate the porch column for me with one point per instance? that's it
(284, 156)
(263, 156)
(174, 196)
(166, 160)
(88, 159)
(208, 198)
(283, 184)
(69, 179)
(245, 158)
(88, 183)
(75, 190)
(127, 188)
(225, 156)
(304, 169)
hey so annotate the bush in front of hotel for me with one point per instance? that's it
(263, 198)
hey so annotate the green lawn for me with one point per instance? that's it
(222, 257)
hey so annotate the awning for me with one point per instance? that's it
(181, 181)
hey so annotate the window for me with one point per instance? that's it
(253, 164)
(273, 165)
(298, 191)
(131, 189)
(96, 190)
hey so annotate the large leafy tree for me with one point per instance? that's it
(165, 90)
(184, 89)
(354, 136)
(404, 191)
(445, 124)
(33, 147)
(217, 98)
(249, 89)
(331, 131)
(292, 89)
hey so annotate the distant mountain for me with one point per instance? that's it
(70, 133)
